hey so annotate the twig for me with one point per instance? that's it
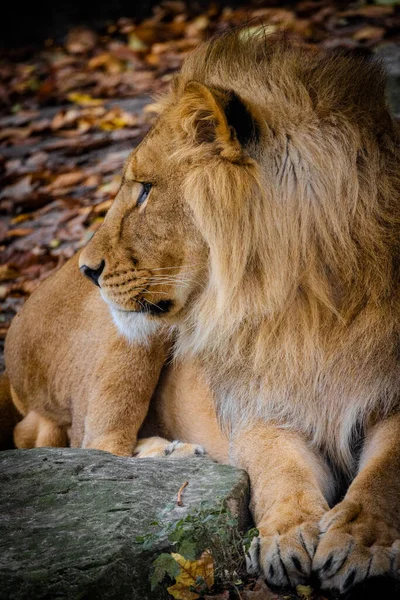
(179, 501)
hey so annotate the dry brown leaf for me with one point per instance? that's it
(369, 33)
(38, 159)
(110, 63)
(67, 179)
(260, 592)
(8, 272)
(135, 43)
(15, 132)
(190, 571)
(102, 207)
(19, 190)
(4, 291)
(80, 40)
(93, 181)
(19, 232)
(65, 118)
(369, 11)
(224, 596)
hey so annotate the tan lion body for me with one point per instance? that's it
(58, 359)
(260, 221)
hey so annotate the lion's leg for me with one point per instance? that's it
(116, 410)
(120, 399)
(36, 431)
(113, 420)
(361, 535)
(290, 486)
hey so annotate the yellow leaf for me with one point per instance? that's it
(190, 571)
(84, 99)
(304, 591)
(21, 218)
(117, 118)
(7, 273)
(135, 43)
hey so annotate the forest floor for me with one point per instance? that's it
(72, 110)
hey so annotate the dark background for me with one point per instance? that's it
(25, 23)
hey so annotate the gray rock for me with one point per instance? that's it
(390, 55)
(69, 519)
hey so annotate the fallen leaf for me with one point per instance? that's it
(19, 190)
(80, 40)
(36, 160)
(260, 592)
(67, 180)
(102, 207)
(15, 132)
(369, 33)
(19, 232)
(190, 571)
(84, 99)
(135, 43)
(20, 218)
(369, 11)
(304, 591)
(224, 596)
(8, 272)
(65, 118)
(116, 118)
(110, 63)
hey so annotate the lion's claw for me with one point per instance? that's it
(285, 559)
(354, 546)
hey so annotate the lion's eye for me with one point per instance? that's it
(146, 187)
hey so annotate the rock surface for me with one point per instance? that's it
(390, 56)
(69, 519)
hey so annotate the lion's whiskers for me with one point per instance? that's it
(183, 267)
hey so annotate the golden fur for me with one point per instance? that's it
(63, 382)
(269, 243)
(310, 302)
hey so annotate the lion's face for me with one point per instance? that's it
(152, 253)
(148, 254)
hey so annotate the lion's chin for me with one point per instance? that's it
(135, 326)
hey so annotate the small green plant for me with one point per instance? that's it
(210, 536)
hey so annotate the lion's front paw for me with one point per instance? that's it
(156, 447)
(284, 555)
(355, 544)
(178, 449)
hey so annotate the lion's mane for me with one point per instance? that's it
(299, 321)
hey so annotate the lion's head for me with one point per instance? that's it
(267, 183)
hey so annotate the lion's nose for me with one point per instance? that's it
(93, 274)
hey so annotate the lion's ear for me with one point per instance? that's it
(219, 118)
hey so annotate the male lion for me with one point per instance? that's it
(260, 218)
